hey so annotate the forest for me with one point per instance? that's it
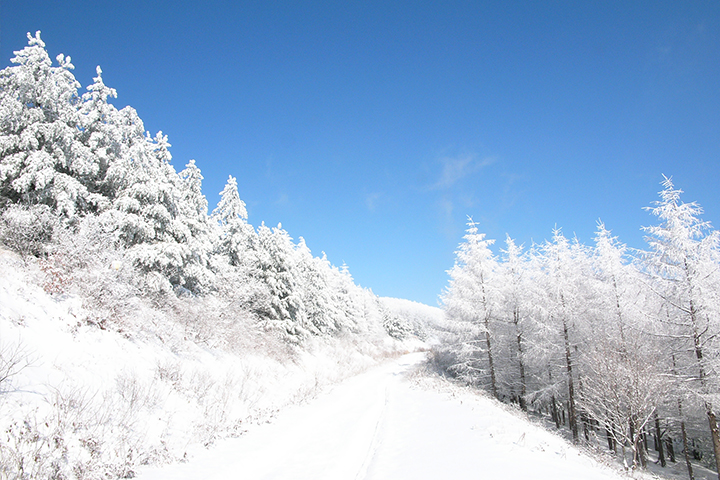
(96, 213)
(617, 345)
(74, 166)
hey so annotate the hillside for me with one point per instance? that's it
(87, 400)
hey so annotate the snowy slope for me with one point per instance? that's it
(91, 403)
(422, 320)
(384, 424)
(413, 311)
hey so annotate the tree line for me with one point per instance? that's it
(617, 345)
(71, 163)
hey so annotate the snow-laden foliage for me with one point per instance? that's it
(224, 318)
(66, 157)
(422, 321)
(613, 344)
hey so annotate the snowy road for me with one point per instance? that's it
(379, 426)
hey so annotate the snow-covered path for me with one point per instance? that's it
(379, 426)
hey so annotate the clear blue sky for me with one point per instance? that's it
(372, 129)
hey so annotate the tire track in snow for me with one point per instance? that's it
(375, 441)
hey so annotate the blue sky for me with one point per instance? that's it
(373, 129)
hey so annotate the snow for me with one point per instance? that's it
(165, 399)
(390, 424)
(150, 392)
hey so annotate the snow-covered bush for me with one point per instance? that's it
(397, 327)
(13, 359)
(27, 230)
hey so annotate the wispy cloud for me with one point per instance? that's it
(371, 200)
(456, 168)
(283, 200)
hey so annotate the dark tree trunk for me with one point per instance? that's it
(686, 450)
(610, 439)
(642, 453)
(554, 412)
(486, 323)
(572, 419)
(493, 384)
(658, 442)
(521, 361)
(712, 421)
(670, 448)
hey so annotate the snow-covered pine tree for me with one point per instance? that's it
(193, 212)
(546, 384)
(40, 161)
(101, 140)
(471, 302)
(566, 269)
(515, 311)
(275, 268)
(147, 194)
(237, 240)
(320, 316)
(684, 260)
(623, 385)
(348, 300)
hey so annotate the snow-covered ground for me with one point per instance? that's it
(96, 403)
(390, 424)
(81, 401)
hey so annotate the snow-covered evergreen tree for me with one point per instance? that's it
(684, 261)
(275, 268)
(515, 310)
(237, 240)
(40, 157)
(471, 302)
(623, 383)
(100, 138)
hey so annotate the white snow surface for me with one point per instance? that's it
(93, 403)
(389, 423)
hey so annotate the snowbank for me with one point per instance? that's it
(82, 401)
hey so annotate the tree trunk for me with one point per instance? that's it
(554, 412)
(572, 419)
(712, 421)
(686, 450)
(638, 446)
(523, 386)
(486, 323)
(583, 416)
(670, 448)
(642, 451)
(493, 384)
(634, 444)
(658, 441)
(610, 439)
